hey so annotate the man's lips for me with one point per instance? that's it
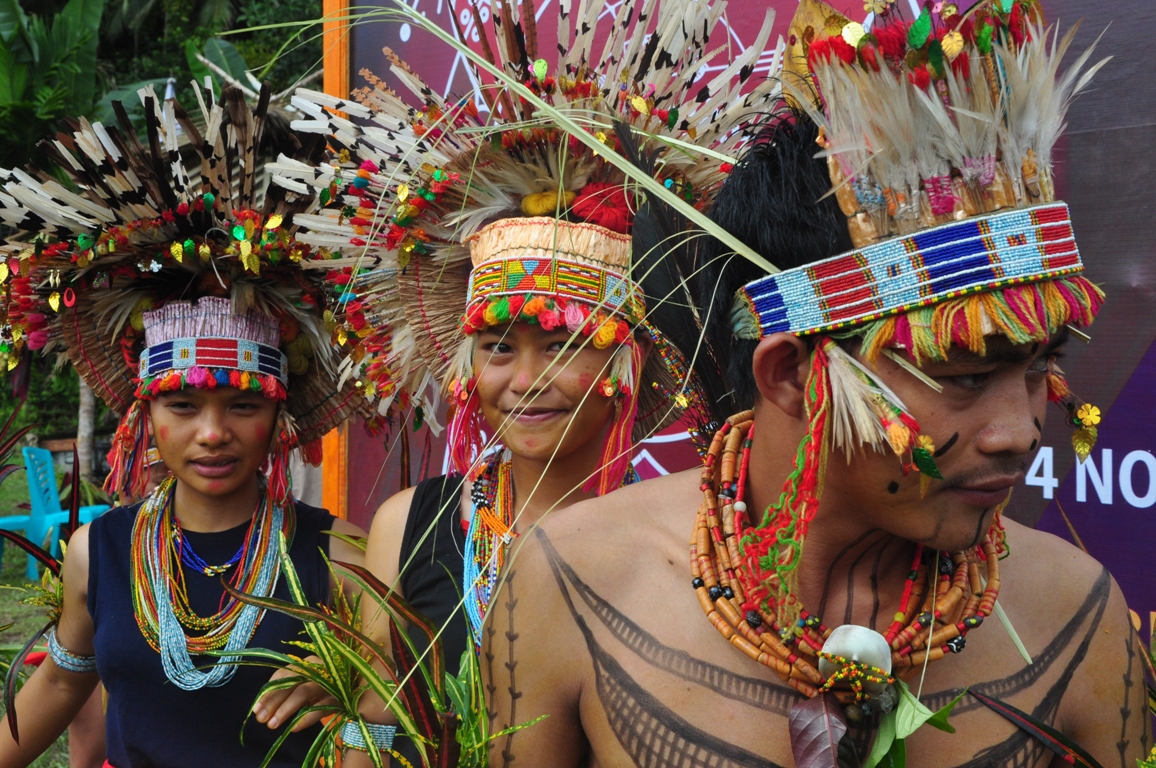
(988, 493)
(214, 466)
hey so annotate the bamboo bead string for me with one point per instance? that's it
(930, 622)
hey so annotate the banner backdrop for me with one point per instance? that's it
(1105, 166)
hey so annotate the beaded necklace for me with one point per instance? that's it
(160, 599)
(928, 624)
(490, 533)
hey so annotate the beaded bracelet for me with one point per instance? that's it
(66, 659)
(382, 736)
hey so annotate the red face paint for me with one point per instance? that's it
(164, 433)
(585, 380)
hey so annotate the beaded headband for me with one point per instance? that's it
(984, 253)
(206, 345)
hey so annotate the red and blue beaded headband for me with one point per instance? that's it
(206, 345)
(983, 253)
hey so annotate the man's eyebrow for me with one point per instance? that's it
(1006, 354)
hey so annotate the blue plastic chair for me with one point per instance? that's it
(43, 524)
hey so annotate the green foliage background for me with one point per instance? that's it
(72, 58)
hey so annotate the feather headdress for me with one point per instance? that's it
(153, 275)
(466, 215)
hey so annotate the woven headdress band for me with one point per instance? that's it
(979, 254)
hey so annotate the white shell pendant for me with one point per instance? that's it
(859, 644)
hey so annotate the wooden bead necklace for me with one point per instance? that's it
(928, 624)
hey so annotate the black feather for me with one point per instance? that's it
(773, 202)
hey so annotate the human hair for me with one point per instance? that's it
(776, 201)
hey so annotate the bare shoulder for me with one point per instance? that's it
(75, 566)
(644, 509)
(383, 549)
(389, 520)
(1048, 575)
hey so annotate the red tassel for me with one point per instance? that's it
(128, 457)
(616, 455)
(465, 437)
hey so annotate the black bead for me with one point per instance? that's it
(946, 567)
(696, 583)
(715, 593)
(956, 644)
(729, 593)
(754, 620)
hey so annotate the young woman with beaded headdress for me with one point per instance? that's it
(514, 269)
(839, 569)
(184, 303)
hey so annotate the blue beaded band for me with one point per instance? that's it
(213, 353)
(66, 659)
(982, 253)
(382, 736)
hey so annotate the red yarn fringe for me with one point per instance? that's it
(128, 462)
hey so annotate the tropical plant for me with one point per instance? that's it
(47, 70)
(444, 715)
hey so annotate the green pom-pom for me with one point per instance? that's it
(502, 310)
(983, 39)
(84, 242)
(925, 462)
(920, 30)
(935, 57)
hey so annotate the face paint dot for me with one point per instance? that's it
(893, 487)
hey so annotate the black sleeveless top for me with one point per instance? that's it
(431, 564)
(150, 721)
(431, 568)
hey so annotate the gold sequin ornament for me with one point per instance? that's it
(952, 44)
(3, 272)
(853, 33)
(177, 252)
(54, 301)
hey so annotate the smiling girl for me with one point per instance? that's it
(194, 318)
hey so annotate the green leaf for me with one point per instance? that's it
(197, 67)
(920, 30)
(925, 462)
(910, 714)
(226, 56)
(939, 719)
(884, 738)
(897, 757)
(13, 23)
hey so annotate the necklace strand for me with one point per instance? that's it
(160, 596)
(929, 623)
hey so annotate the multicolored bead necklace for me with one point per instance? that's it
(490, 534)
(160, 598)
(928, 625)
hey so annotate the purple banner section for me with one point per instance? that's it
(1110, 498)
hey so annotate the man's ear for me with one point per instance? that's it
(781, 365)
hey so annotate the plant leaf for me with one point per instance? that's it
(817, 725)
(910, 714)
(884, 738)
(47, 560)
(939, 719)
(1070, 751)
(13, 675)
(413, 686)
(398, 607)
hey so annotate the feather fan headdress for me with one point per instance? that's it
(938, 137)
(546, 224)
(153, 276)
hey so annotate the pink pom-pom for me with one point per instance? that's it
(575, 317)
